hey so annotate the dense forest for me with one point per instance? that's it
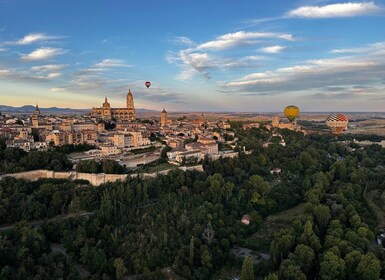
(187, 224)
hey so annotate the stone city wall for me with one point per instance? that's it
(93, 178)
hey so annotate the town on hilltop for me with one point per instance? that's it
(118, 134)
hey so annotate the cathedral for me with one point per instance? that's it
(120, 114)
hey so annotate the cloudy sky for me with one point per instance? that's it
(212, 55)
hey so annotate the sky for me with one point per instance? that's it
(212, 55)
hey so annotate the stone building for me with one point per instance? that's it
(119, 114)
(36, 117)
(163, 118)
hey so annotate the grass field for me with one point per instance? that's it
(288, 215)
(262, 238)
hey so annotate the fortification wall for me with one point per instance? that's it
(33, 175)
(93, 178)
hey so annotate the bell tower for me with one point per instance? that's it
(130, 105)
(36, 117)
(163, 118)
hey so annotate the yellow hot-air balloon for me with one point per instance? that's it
(291, 112)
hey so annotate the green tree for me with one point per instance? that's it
(120, 268)
(206, 258)
(289, 270)
(35, 134)
(306, 159)
(352, 259)
(332, 267)
(88, 166)
(216, 187)
(304, 257)
(309, 238)
(281, 244)
(322, 215)
(3, 145)
(271, 276)
(369, 268)
(247, 272)
(164, 152)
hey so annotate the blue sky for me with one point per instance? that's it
(222, 55)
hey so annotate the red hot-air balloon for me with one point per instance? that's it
(337, 123)
(147, 84)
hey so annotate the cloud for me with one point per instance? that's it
(4, 72)
(33, 38)
(156, 94)
(358, 71)
(198, 59)
(374, 92)
(380, 46)
(58, 89)
(54, 75)
(197, 63)
(42, 53)
(98, 77)
(27, 75)
(231, 40)
(338, 10)
(349, 9)
(161, 96)
(273, 49)
(48, 76)
(48, 67)
(183, 41)
(106, 63)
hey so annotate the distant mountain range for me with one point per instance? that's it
(28, 109)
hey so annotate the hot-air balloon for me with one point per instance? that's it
(337, 123)
(291, 112)
(147, 84)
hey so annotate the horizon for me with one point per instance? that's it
(213, 57)
(199, 112)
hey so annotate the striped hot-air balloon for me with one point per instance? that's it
(337, 123)
(291, 112)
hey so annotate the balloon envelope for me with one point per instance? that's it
(148, 84)
(291, 112)
(337, 123)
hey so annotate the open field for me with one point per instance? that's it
(274, 223)
(371, 126)
(288, 215)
